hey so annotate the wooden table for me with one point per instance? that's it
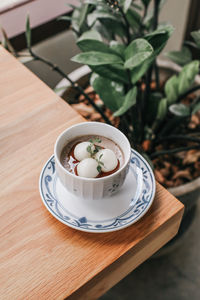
(40, 258)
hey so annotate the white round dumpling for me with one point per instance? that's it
(108, 158)
(87, 168)
(80, 151)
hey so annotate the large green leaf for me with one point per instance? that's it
(177, 85)
(110, 93)
(91, 35)
(134, 19)
(75, 19)
(102, 29)
(79, 18)
(187, 76)
(196, 37)
(92, 17)
(180, 110)
(117, 47)
(160, 30)
(152, 107)
(130, 100)
(94, 45)
(137, 52)
(171, 89)
(159, 37)
(83, 14)
(113, 72)
(95, 58)
(140, 70)
(137, 59)
(180, 57)
(113, 28)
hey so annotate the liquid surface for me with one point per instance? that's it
(70, 163)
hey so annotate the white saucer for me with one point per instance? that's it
(105, 215)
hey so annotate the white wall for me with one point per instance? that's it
(175, 12)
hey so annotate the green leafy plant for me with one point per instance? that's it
(120, 41)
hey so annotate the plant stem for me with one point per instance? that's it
(178, 137)
(140, 31)
(150, 70)
(148, 84)
(125, 123)
(156, 11)
(155, 25)
(126, 23)
(74, 84)
(140, 105)
(75, 31)
(145, 12)
(170, 151)
(170, 125)
(145, 97)
(134, 129)
(157, 76)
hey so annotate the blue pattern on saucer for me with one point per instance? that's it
(135, 211)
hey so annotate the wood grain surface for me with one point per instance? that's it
(41, 258)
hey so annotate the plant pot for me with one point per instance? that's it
(188, 193)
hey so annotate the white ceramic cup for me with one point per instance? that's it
(92, 188)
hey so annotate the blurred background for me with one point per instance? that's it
(174, 272)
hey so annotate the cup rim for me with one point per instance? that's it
(86, 178)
